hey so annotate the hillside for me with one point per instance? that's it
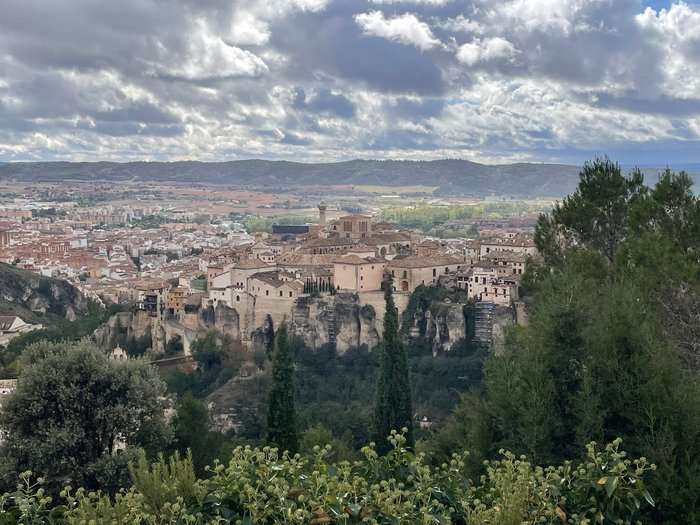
(28, 295)
(451, 176)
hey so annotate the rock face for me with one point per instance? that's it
(263, 338)
(339, 319)
(445, 326)
(26, 293)
(502, 318)
(126, 326)
(114, 332)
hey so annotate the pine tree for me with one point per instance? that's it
(280, 414)
(392, 410)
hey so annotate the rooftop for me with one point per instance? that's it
(420, 261)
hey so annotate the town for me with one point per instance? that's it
(176, 268)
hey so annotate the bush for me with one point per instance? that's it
(260, 486)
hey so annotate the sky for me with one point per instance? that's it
(326, 80)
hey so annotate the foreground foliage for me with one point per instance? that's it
(260, 486)
(73, 409)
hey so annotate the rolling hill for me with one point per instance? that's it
(450, 176)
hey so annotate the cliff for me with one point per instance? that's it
(339, 319)
(449, 326)
(27, 295)
(346, 320)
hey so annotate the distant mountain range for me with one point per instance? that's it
(449, 176)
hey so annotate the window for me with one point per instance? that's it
(434, 272)
(290, 294)
(280, 293)
(238, 298)
(267, 292)
(362, 278)
(447, 270)
(405, 274)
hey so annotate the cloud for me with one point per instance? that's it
(325, 101)
(405, 29)
(207, 56)
(426, 2)
(332, 79)
(486, 50)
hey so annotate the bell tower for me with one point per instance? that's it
(322, 214)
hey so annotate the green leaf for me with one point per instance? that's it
(611, 484)
(648, 497)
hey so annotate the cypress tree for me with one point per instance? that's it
(280, 416)
(392, 409)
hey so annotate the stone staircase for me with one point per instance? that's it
(331, 324)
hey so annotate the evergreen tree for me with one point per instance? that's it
(392, 409)
(280, 416)
(596, 215)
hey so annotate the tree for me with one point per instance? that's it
(592, 364)
(280, 414)
(392, 407)
(319, 435)
(207, 350)
(191, 432)
(597, 214)
(174, 346)
(74, 408)
(671, 209)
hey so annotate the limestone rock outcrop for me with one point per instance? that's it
(26, 293)
(339, 319)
